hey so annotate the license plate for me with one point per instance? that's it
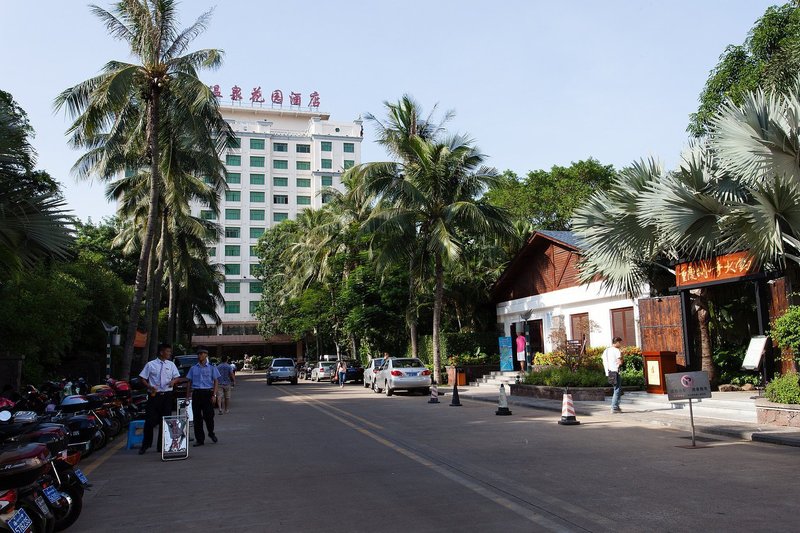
(81, 477)
(411, 374)
(52, 494)
(40, 503)
(20, 522)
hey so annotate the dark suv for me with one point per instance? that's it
(282, 369)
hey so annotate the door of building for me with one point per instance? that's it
(536, 337)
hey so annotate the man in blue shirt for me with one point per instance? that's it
(203, 381)
(227, 379)
(159, 376)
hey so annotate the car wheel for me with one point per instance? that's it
(389, 391)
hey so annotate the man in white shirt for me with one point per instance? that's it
(159, 375)
(612, 359)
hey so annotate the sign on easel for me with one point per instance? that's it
(175, 441)
(755, 351)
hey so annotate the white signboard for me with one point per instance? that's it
(688, 386)
(175, 442)
(755, 351)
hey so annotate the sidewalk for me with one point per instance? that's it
(708, 426)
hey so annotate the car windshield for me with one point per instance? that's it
(185, 360)
(282, 362)
(327, 365)
(407, 363)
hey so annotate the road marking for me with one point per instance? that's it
(103, 458)
(521, 510)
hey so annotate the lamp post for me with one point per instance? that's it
(112, 337)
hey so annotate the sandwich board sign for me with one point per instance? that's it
(688, 386)
(755, 351)
(506, 354)
(175, 441)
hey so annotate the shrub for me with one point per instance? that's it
(784, 389)
(632, 377)
(477, 358)
(458, 345)
(786, 329)
(632, 358)
(555, 358)
(729, 359)
(563, 377)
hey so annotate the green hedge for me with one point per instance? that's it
(455, 344)
(784, 389)
(564, 377)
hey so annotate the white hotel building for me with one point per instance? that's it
(285, 158)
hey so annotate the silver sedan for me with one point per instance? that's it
(403, 374)
(323, 371)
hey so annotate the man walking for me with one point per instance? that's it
(159, 376)
(203, 381)
(227, 378)
(612, 359)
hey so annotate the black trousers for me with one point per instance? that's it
(158, 406)
(202, 411)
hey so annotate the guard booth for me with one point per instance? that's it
(667, 325)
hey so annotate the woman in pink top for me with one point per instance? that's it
(521, 350)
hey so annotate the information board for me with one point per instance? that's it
(688, 386)
(175, 444)
(755, 351)
(506, 354)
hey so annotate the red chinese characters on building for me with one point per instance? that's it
(723, 267)
(215, 91)
(236, 93)
(255, 95)
(277, 97)
(294, 98)
(313, 100)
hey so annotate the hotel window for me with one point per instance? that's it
(327, 163)
(348, 163)
(236, 142)
(232, 308)
(232, 250)
(279, 217)
(303, 200)
(207, 180)
(257, 161)
(256, 144)
(253, 306)
(280, 199)
(280, 182)
(256, 179)
(326, 146)
(233, 160)
(254, 251)
(304, 182)
(349, 148)
(256, 214)
(327, 181)
(255, 233)
(232, 287)
(234, 178)
(623, 325)
(212, 251)
(233, 196)
(207, 214)
(280, 147)
(255, 270)
(256, 288)
(280, 164)
(303, 165)
(303, 148)
(257, 197)
(232, 233)
(233, 269)
(233, 214)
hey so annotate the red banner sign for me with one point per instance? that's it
(720, 268)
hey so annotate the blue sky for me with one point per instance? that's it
(535, 83)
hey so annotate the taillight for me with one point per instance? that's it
(425, 373)
(396, 373)
(8, 499)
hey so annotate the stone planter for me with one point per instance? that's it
(597, 394)
(777, 414)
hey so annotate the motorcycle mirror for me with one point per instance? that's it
(5, 416)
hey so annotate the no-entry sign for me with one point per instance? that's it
(688, 386)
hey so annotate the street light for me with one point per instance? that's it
(112, 337)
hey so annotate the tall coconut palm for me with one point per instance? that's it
(120, 111)
(434, 195)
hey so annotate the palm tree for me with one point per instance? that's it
(119, 114)
(433, 195)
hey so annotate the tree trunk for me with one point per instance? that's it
(703, 320)
(411, 311)
(150, 301)
(144, 255)
(353, 347)
(173, 296)
(158, 281)
(438, 297)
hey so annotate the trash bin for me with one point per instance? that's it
(456, 375)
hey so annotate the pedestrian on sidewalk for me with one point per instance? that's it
(203, 382)
(521, 342)
(341, 369)
(227, 378)
(612, 360)
(159, 376)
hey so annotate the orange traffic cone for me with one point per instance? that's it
(568, 412)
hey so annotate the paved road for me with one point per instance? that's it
(313, 457)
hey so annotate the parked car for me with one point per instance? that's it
(403, 374)
(282, 369)
(307, 368)
(371, 370)
(323, 371)
(355, 372)
(185, 362)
